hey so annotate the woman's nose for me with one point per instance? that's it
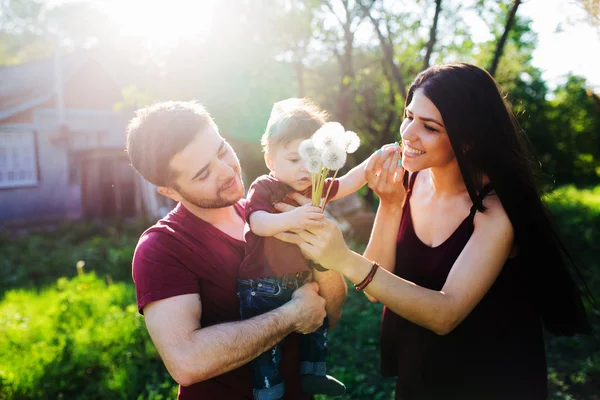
(408, 130)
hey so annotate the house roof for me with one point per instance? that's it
(28, 85)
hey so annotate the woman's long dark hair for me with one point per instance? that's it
(486, 139)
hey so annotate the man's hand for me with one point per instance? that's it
(309, 306)
(305, 217)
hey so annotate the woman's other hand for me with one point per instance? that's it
(385, 175)
(325, 246)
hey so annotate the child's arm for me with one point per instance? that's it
(352, 181)
(263, 223)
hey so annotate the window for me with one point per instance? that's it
(18, 163)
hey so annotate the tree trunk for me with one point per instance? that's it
(432, 35)
(347, 70)
(502, 42)
(388, 52)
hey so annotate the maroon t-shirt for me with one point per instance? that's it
(267, 256)
(183, 254)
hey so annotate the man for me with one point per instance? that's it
(185, 266)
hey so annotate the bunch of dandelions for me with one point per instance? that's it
(326, 151)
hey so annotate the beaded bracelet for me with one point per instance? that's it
(368, 278)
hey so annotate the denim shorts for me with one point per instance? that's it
(260, 295)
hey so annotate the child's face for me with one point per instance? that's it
(286, 165)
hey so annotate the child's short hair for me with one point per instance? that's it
(292, 119)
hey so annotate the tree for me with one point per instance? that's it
(340, 40)
(502, 41)
(31, 29)
(592, 9)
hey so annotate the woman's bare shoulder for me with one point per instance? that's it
(494, 216)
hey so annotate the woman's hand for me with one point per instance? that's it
(385, 175)
(325, 246)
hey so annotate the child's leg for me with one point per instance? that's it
(258, 296)
(313, 351)
(314, 379)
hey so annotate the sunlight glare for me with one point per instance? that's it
(160, 22)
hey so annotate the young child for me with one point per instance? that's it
(273, 269)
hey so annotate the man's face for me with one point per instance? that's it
(208, 172)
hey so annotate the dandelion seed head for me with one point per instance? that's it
(328, 135)
(333, 158)
(307, 150)
(351, 141)
(313, 165)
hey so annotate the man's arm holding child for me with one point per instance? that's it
(193, 354)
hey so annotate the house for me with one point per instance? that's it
(62, 145)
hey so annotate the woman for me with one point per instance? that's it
(471, 266)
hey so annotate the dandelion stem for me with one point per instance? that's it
(329, 189)
(313, 178)
(323, 177)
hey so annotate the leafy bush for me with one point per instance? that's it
(353, 351)
(574, 363)
(43, 256)
(80, 338)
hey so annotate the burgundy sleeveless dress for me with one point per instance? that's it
(497, 352)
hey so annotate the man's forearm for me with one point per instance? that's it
(333, 288)
(218, 349)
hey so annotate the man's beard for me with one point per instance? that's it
(218, 202)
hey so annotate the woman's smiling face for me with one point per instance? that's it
(424, 138)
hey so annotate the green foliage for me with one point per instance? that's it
(574, 363)
(353, 350)
(46, 255)
(564, 131)
(80, 338)
(574, 124)
(133, 98)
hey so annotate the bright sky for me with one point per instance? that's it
(161, 22)
(566, 43)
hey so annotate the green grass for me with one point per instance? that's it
(353, 351)
(42, 256)
(574, 363)
(78, 339)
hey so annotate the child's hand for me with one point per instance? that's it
(306, 217)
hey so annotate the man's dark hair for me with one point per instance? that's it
(160, 131)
